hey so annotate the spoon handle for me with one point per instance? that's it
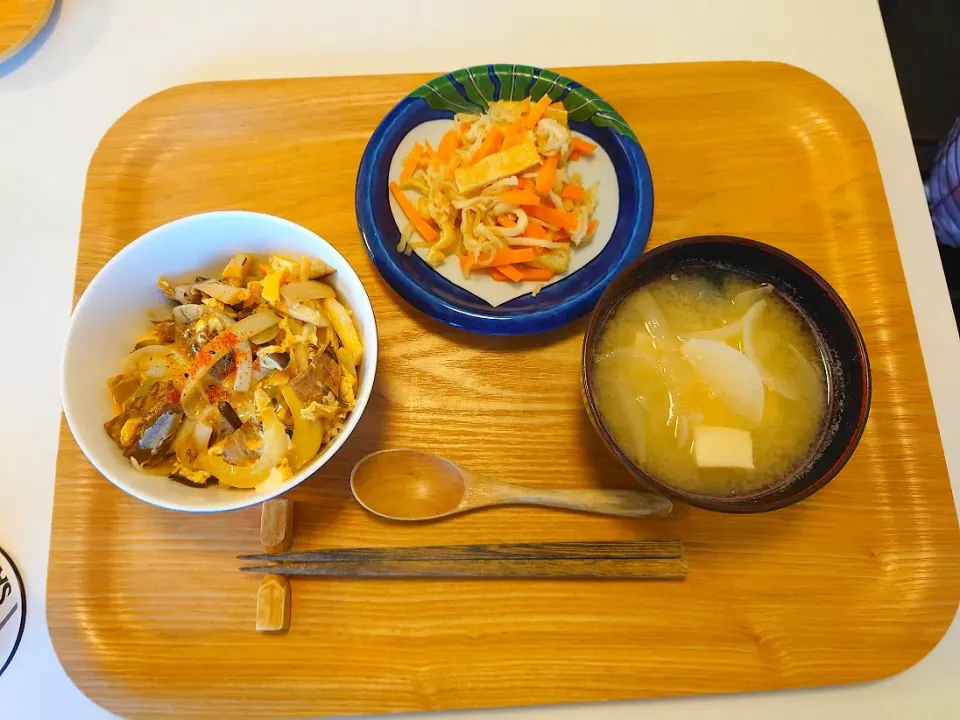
(626, 503)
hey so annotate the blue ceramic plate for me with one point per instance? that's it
(470, 90)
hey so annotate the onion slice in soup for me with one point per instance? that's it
(730, 373)
(749, 297)
(779, 385)
(634, 412)
(722, 334)
(655, 321)
(791, 382)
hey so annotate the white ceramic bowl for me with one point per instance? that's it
(113, 314)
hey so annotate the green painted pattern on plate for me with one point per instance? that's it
(477, 84)
(476, 90)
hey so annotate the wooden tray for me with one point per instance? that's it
(20, 21)
(150, 617)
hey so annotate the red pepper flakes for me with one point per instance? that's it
(204, 359)
(216, 394)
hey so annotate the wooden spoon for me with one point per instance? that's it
(410, 485)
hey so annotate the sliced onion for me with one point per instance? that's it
(243, 355)
(655, 321)
(164, 469)
(307, 290)
(519, 228)
(486, 233)
(346, 361)
(500, 185)
(730, 373)
(752, 295)
(201, 435)
(182, 441)
(155, 361)
(222, 316)
(791, 388)
(345, 328)
(188, 313)
(582, 226)
(722, 334)
(262, 338)
(307, 434)
(634, 413)
(254, 324)
(221, 346)
(195, 404)
(227, 294)
(303, 313)
(273, 450)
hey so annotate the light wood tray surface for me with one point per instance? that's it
(151, 619)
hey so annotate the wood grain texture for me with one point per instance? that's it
(20, 21)
(570, 568)
(273, 604)
(276, 524)
(557, 551)
(151, 619)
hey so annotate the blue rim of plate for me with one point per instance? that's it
(469, 90)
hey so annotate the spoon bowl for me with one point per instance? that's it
(412, 486)
(407, 485)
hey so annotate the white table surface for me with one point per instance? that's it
(102, 56)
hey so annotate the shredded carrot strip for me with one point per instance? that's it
(512, 257)
(572, 192)
(520, 197)
(536, 112)
(535, 229)
(491, 143)
(507, 220)
(511, 272)
(553, 216)
(511, 135)
(498, 276)
(591, 227)
(447, 146)
(464, 127)
(547, 174)
(582, 146)
(558, 105)
(410, 164)
(541, 274)
(419, 222)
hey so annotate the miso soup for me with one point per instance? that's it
(711, 381)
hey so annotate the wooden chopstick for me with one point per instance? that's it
(554, 550)
(638, 560)
(637, 568)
